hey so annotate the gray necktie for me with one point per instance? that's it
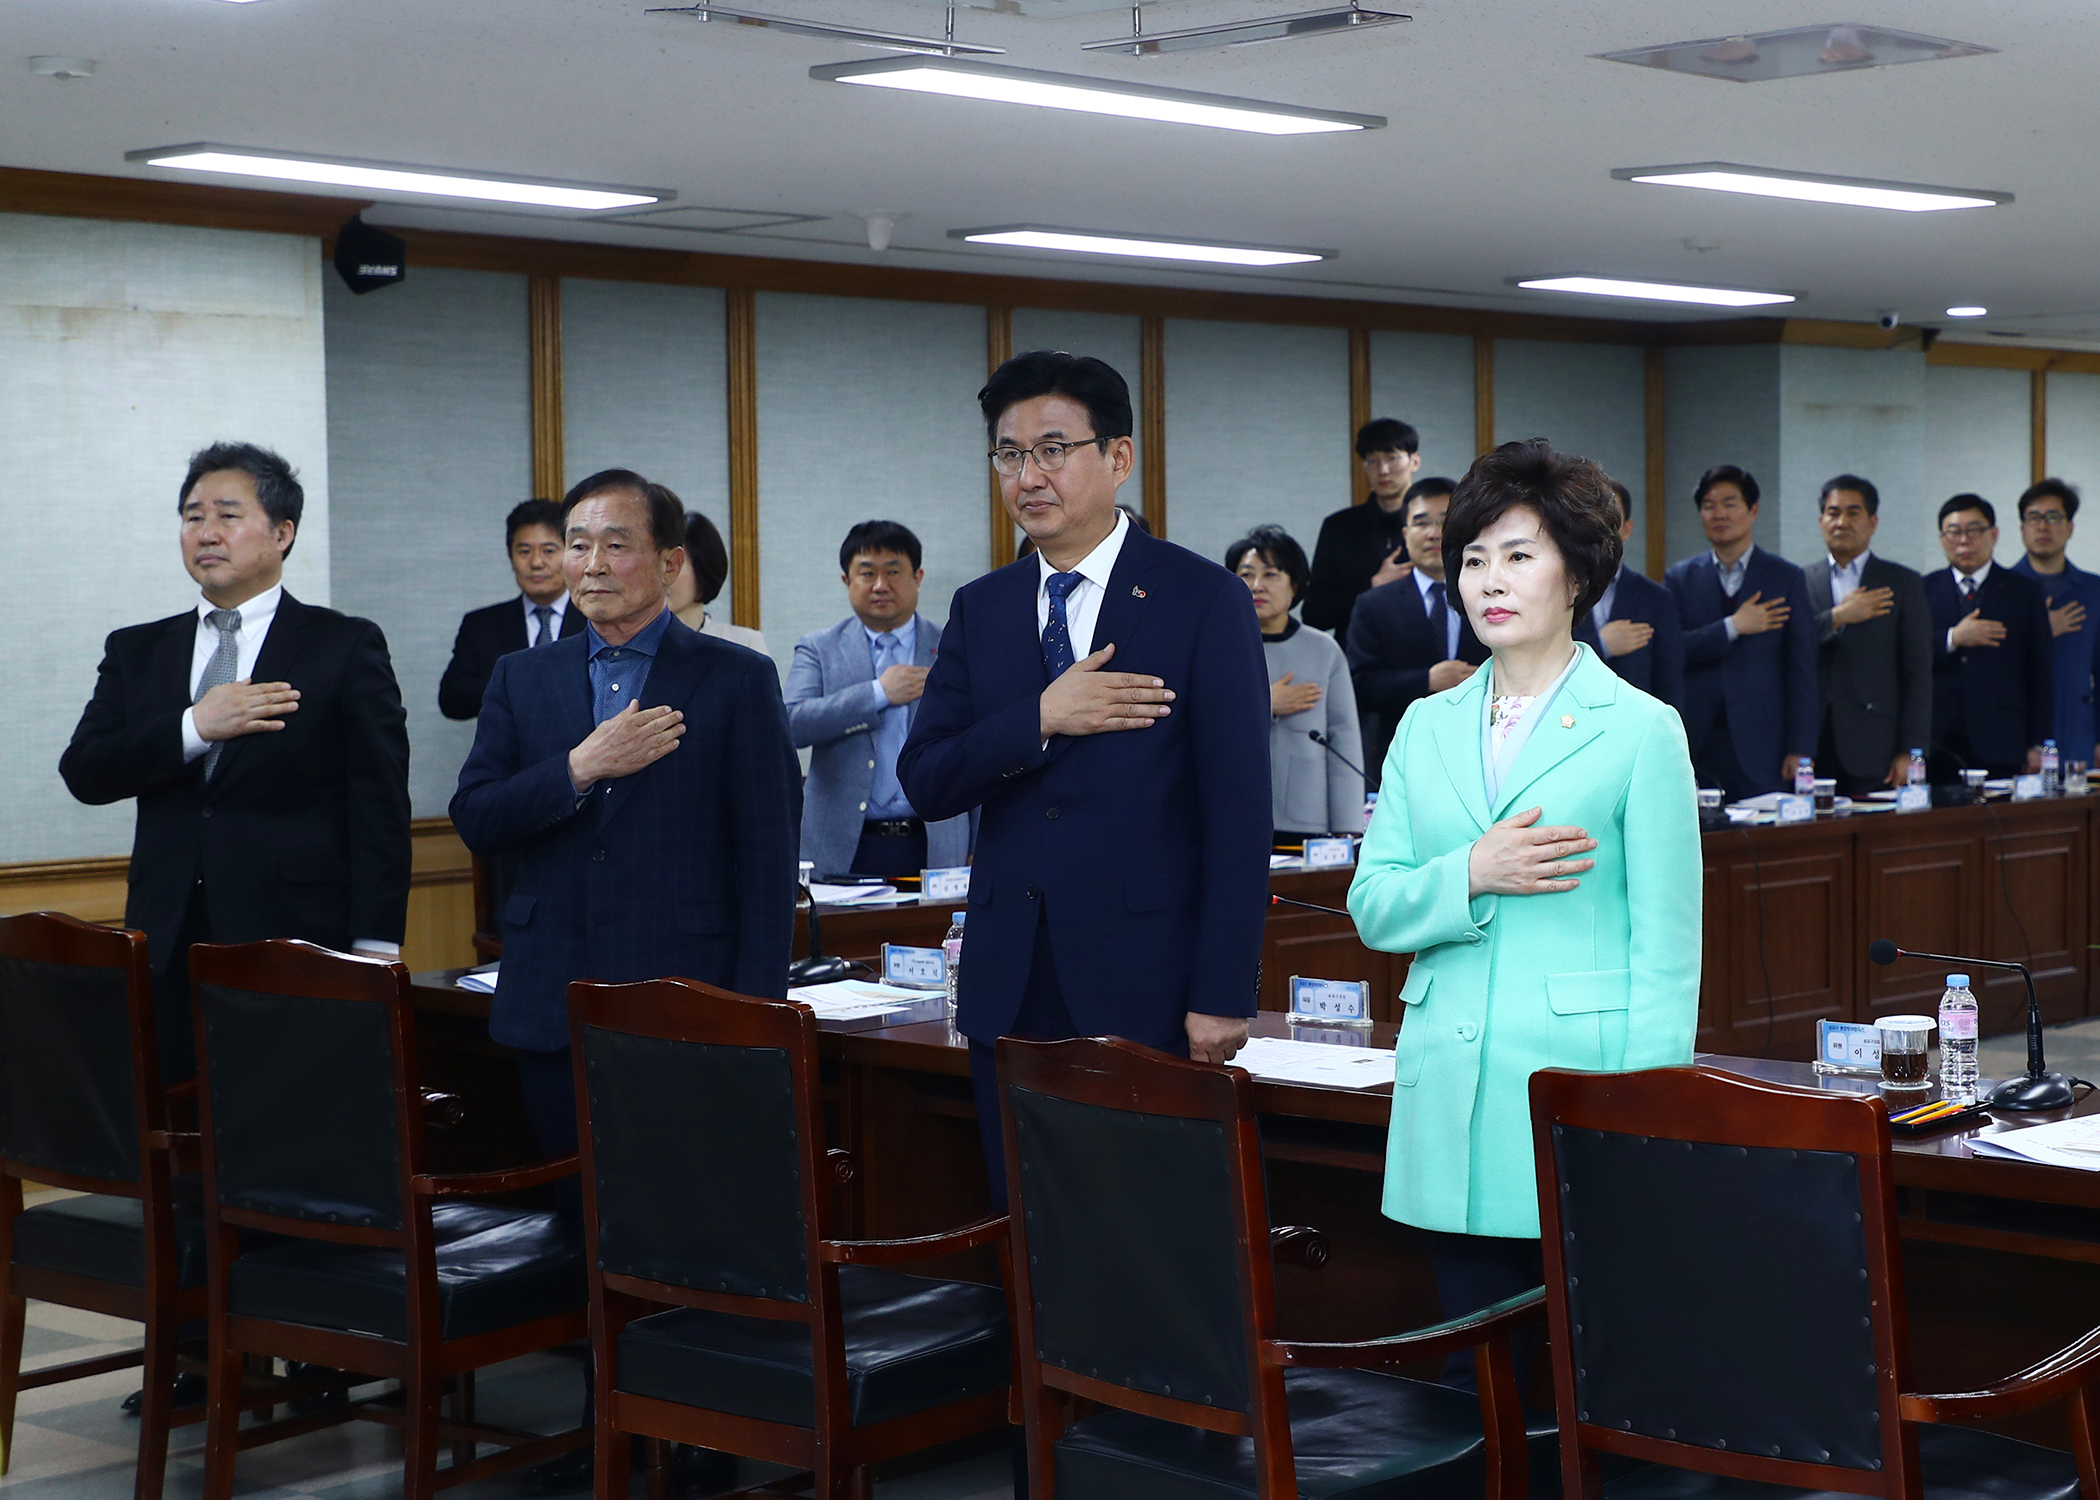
(543, 613)
(224, 663)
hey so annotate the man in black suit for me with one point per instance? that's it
(265, 742)
(541, 613)
(1874, 663)
(1634, 626)
(1411, 637)
(1993, 688)
(1364, 546)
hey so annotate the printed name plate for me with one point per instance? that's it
(914, 968)
(1326, 854)
(2027, 788)
(1847, 1047)
(1911, 799)
(945, 885)
(1331, 1002)
(1794, 808)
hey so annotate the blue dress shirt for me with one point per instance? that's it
(619, 673)
(886, 798)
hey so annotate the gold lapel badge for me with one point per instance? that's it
(1567, 721)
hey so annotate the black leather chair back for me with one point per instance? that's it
(698, 1166)
(303, 1112)
(1720, 1295)
(68, 1100)
(1133, 1246)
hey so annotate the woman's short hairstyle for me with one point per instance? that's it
(1574, 501)
(1280, 550)
(706, 555)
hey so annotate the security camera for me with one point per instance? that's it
(1888, 321)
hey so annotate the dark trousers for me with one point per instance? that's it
(171, 993)
(1475, 1271)
(1714, 762)
(890, 855)
(1042, 1018)
(548, 1082)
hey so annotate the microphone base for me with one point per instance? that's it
(2039, 1091)
(817, 970)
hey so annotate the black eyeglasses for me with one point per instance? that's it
(1049, 456)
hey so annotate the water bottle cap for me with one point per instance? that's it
(961, 917)
(1957, 981)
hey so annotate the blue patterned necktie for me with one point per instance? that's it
(225, 660)
(1440, 620)
(1057, 635)
(544, 613)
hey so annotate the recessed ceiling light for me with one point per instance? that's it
(385, 177)
(1797, 52)
(1148, 247)
(1967, 312)
(1655, 291)
(961, 79)
(1813, 187)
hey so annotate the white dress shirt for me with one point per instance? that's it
(1844, 578)
(559, 604)
(1424, 582)
(1083, 604)
(1968, 604)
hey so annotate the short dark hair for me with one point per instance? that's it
(1425, 489)
(1093, 383)
(1864, 488)
(1574, 502)
(276, 482)
(879, 536)
(706, 555)
(1386, 435)
(666, 510)
(1625, 499)
(1726, 474)
(2049, 489)
(530, 513)
(1959, 503)
(1280, 550)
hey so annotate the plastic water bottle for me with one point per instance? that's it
(1958, 1040)
(2052, 769)
(951, 945)
(1804, 777)
(1915, 776)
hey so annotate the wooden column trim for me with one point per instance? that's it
(543, 294)
(2038, 425)
(1152, 401)
(1359, 407)
(740, 309)
(1483, 393)
(1655, 515)
(998, 349)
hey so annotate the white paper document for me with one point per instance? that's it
(850, 999)
(481, 981)
(1275, 1059)
(2061, 1143)
(852, 895)
(1286, 861)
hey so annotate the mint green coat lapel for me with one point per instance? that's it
(1592, 686)
(1457, 730)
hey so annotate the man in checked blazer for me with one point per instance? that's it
(852, 695)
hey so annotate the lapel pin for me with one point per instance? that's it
(1137, 593)
(1567, 721)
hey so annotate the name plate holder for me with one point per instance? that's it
(944, 885)
(1330, 1002)
(1329, 854)
(2027, 788)
(1848, 1049)
(1795, 808)
(1913, 799)
(914, 968)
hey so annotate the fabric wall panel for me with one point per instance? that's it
(2074, 454)
(1589, 399)
(1426, 379)
(1720, 406)
(1110, 337)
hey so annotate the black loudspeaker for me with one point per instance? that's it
(367, 258)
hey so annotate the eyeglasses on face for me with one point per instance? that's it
(2044, 518)
(1049, 456)
(1975, 531)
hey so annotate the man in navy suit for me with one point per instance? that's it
(1106, 703)
(539, 615)
(1634, 627)
(1993, 697)
(1749, 702)
(639, 776)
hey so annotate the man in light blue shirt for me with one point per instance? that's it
(851, 695)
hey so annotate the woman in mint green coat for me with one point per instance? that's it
(1536, 847)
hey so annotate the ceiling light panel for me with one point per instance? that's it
(1967, 312)
(993, 83)
(1814, 187)
(1308, 23)
(1655, 291)
(391, 177)
(1142, 246)
(1797, 52)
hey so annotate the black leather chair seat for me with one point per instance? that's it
(102, 1237)
(1960, 1463)
(496, 1267)
(1355, 1435)
(912, 1343)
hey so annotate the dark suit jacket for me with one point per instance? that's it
(1766, 682)
(484, 636)
(1657, 669)
(1353, 543)
(686, 868)
(2002, 698)
(1391, 649)
(1875, 678)
(1149, 846)
(303, 831)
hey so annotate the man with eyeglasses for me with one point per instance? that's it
(1106, 704)
(2046, 514)
(1362, 547)
(1993, 701)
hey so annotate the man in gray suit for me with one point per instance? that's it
(1874, 664)
(852, 694)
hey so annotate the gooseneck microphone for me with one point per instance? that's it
(2040, 1088)
(816, 969)
(1332, 911)
(1328, 745)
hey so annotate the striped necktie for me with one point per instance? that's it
(225, 661)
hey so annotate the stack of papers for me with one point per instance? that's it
(1275, 1059)
(1286, 861)
(2061, 1143)
(850, 999)
(852, 895)
(482, 981)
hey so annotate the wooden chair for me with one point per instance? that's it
(1725, 1289)
(1143, 1280)
(354, 1256)
(82, 1106)
(724, 1311)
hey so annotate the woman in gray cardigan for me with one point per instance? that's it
(1316, 788)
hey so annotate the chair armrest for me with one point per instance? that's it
(505, 1180)
(184, 1148)
(1496, 1322)
(1298, 1245)
(2048, 1380)
(920, 1247)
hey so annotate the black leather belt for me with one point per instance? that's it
(892, 828)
